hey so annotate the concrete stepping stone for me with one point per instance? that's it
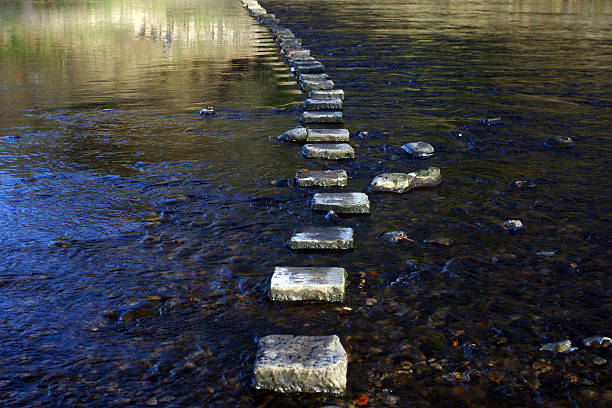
(322, 104)
(341, 203)
(333, 151)
(310, 85)
(327, 135)
(287, 363)
(321, 117)
(306, 283)
(313, 77)
(325, 178)
(326, 94)
(314, 67)
(293, 60)
(299, 53)
(322, 238)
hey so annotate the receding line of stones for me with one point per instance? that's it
(321, 360)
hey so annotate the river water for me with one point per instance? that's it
(137, 239)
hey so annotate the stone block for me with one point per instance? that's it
(325, 178)
(321, 117)
(310, 85)
(322, 104)
(305, 283)
(326, 94)
(293, 60)
(286, 363)
(327, 135)
(313, 67)
(342, 203)
(299, 53)
(322, 238)
(333, 151)
(313, 77)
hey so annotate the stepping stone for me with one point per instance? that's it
(342, 203)
(322, 104)
(326, 94)
(325, 178)
(293, 60)
(286, 363)
(313, 77)
(322, 238)
(310, 85)
(291, 44)
(313, 67)
(328, 151)
(321, 117)
(293, 284)
(299, 53)
(327, 135)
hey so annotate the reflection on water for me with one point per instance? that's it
(136, 238)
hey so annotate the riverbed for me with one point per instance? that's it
(138, 238)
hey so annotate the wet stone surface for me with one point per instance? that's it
(322, 238)
(559, 141)
(307, 283)
(321, 117)
(316, 85)
(327, 135)
(313, 77)
(418, 149)
(322, 104)
(314, 67)
(299, 53)
(328, 151)
(342, 203)
(298, 134)
(327, 94)
(286, 363)
(402, 182)
(323, 178)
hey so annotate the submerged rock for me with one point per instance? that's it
(402, 182)
(564, 346)
(418, 149)
(331, 216)
(492, 121)
(597, 341)
(559, 141)
(395, 236)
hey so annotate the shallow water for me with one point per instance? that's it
(137, 238)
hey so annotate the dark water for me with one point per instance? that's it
(137, 238)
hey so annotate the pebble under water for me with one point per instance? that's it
(138, 238)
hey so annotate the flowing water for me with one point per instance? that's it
(137, 238)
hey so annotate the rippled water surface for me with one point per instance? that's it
(137, 239)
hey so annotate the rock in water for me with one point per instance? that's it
(564, 346)
(418, 149)
(331, 216)
(402, 182)
(344, 203)
(395, 236)
(299, 134)
(286, 363)
(559, 141)
(322, 238)
(512, 225)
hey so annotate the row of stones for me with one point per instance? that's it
(275, 367)
(287, 363)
